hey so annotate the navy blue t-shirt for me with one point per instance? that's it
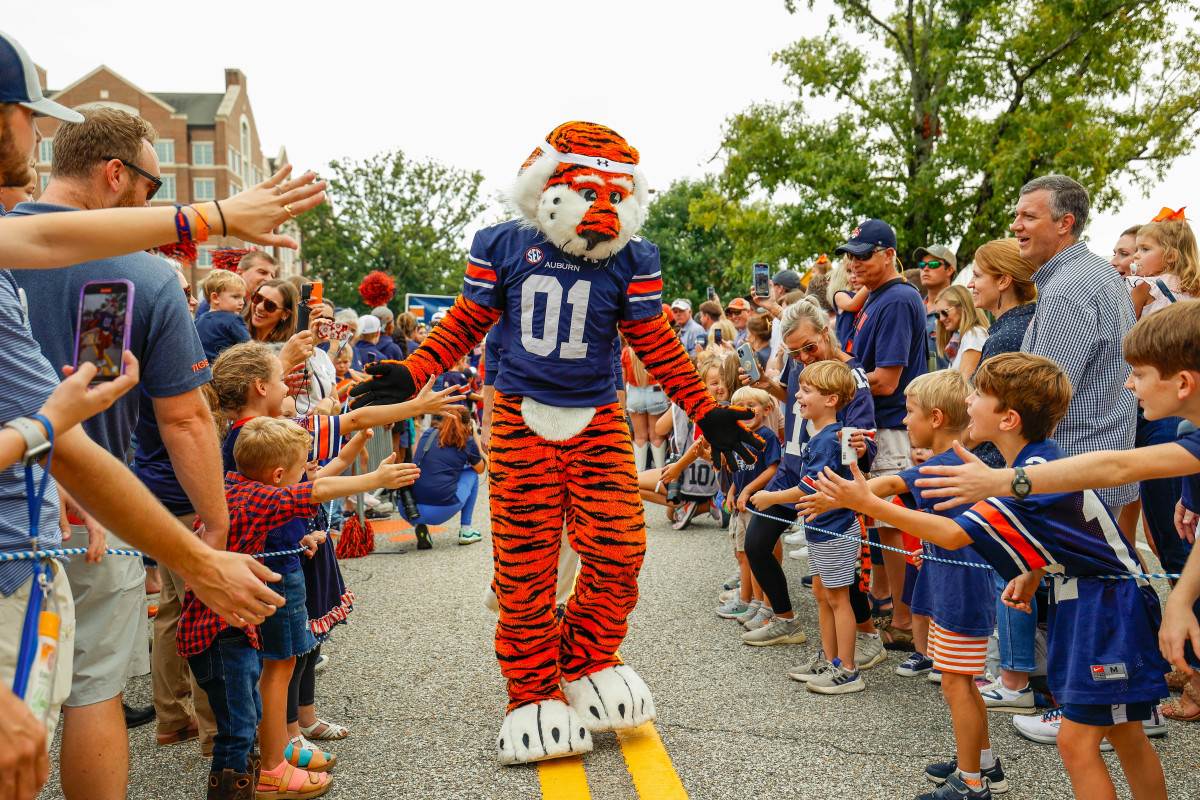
(959, 599)
(163, 338)
(821, 451)
(557, 331)
(388, 347)
(220, 330)
(152, 462)
(440, 469)
(889, 331)
(367, 352)
(771, 454)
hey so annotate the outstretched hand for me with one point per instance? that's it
(966, 483)
(852, 494)
(255, 214)
(389, 382)
(727, 436)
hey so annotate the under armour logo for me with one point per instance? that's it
(600, 162)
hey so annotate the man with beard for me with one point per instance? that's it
(108, 161)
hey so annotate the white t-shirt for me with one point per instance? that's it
(971, 340)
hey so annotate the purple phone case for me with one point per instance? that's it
(127, 326)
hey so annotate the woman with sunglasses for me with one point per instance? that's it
(271, 312)
(807, 339)
(962, 329)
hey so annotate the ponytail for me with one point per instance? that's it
(452, 429)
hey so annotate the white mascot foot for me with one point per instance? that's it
(538, 731)
(613, 699)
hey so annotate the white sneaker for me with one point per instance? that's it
(749, 613)
(777, 631)
(1042, 729)
(794, 538)
(800, 554)
(810, 669)
(732, 608)
(837, 680)
(724, 596)
(868, 650)
(998, 697)
(1154, 727)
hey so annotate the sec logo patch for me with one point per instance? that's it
(534, 255)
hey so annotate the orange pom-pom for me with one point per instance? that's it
(377, 289)
(357, 539)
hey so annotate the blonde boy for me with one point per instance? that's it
(225, 291)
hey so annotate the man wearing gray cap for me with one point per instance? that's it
(938, 265)
(689, 329)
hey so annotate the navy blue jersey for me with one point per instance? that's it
(749, 472)
(557, 331)
(220, 330)
(858, 413)
(1103, 636)
(821, 451)
(889, 331)
(959, 599)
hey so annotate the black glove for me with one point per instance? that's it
(390, 382)
(728, 437)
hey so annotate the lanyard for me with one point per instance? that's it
(43, 578)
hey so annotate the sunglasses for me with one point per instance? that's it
(867, 256)
(807, 350)
(943, 313)
(269, 306)
(155, 183)
(929, 264)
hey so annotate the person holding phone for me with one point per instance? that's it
(738, 312)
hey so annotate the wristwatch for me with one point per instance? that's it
(36, 442)
(1020, 484)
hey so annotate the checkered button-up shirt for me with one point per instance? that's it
(1083, 313)
(254, 509)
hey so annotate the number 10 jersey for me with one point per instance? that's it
(559, 314)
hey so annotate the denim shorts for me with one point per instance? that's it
(645, 399)
(286, 633)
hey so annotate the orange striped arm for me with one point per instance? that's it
(463, 327)
(659, 349)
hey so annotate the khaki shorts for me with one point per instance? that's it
(12, 620)
(111, 640)
(738, 523)
(893, 454)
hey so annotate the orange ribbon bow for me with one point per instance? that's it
(1168, 214)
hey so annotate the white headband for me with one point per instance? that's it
(602, 164)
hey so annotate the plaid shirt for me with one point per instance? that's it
(254, 509)
(1083, 313)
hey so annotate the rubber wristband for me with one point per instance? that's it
(182, 229)
(224, 227)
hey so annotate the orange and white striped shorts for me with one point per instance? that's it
(955, 652)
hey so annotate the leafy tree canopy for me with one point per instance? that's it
(950, 107)
(394, 214)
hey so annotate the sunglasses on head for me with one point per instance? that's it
(807, 350)
(270, 306)
(155, 183)
(929, 264)
(868, 255)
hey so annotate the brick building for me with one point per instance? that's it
(208, 145)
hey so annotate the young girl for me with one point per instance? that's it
(847, 297)
(961, 329)
(248, 383)
(1168, 266)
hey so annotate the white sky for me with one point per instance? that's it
(474, 84)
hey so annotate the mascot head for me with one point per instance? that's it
(583, 190)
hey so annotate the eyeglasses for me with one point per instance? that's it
(929, 264)
(945, 312)
(155, 183)
(807, 350)
(269, 306)
(867, 256)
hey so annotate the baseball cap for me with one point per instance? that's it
(938, 251)
(787, 277)
(19, 82)
(384, 313)
(868, 235)
(368, 324)
(681, 303)
(738, 304)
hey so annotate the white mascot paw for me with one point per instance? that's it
(536, 732)
(613, 699)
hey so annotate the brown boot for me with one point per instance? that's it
(254, 765)
(229, 785)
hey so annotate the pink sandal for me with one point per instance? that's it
(291, 783)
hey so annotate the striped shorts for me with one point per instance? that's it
(836, 560)
(956, 652)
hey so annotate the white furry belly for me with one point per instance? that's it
(552, 423)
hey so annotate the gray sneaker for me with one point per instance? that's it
(749, 613)
(732, 608)
(868, 650)
(837, 680)
(760, 619)
(810, 669)
(777, 631)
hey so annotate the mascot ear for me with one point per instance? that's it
(641, 193)
(527, 189)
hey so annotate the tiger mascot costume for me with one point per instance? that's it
(559, 283)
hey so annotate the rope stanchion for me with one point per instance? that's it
(30, 555)
(926, 557)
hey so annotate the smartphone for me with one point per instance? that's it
(333, 331)
(716, 332)
(762, 280)
(701, 341)
(712, 293)
(103, 327)
(749, 361)
(303, 313)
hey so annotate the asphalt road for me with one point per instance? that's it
(414, 678)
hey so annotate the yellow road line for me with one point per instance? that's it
(563, 779)
(653, 774)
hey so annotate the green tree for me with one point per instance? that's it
(693, 256)
(390, 213)
(949, 109)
